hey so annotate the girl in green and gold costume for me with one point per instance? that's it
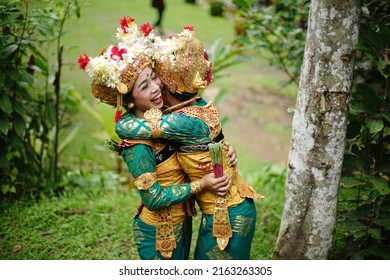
(162, 224)
(228, 221)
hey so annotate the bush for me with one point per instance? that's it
(31, 106)
(216, 8)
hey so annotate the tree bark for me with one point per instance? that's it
(318, 131)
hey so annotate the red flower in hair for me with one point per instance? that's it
(146, 28)
(83, 60)
(189, 28)
(125, 22)
(116, 53)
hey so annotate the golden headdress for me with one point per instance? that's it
(117, 67)
(190, 69)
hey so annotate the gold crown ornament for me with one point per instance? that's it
(130, 74)
(190, 69)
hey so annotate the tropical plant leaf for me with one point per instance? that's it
(383, 222)
(381, 185)
(351, 182)
(374, 126)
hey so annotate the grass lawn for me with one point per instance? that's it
(93, 221)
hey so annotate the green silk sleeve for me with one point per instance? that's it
(176, 127)
(140, 159)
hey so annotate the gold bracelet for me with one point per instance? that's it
(195, 187)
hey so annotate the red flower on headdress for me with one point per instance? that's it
(117, 53)
(83, 60)
(206, 56)
(125, 22)
(189, 28)
(209, 77)
(146, 28)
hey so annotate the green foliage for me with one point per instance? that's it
(363, 228)
(216, 8)
(268, 180)
(30, 114)
(278, 28)
(363, 220)
(90, 221)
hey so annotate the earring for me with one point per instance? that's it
(131, 105)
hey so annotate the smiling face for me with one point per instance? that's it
(147, 92)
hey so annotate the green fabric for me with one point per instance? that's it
(140, 159)
(176, 127)
(243, 219)
(145, 240)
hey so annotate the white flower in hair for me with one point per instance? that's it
(106, 68)
(163, 50)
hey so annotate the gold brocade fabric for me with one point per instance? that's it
(222, 229)
(165, 235)
(153, 117)
(196, 165)
(145, 181)
(209, 114)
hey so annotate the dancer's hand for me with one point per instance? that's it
(218, 186)
(232, 156)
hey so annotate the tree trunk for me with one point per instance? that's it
(318, 131)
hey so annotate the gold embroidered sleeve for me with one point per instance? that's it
(145, 181)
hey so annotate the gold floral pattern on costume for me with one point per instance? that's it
(179, 190)
(178, 229)
(209, 114)
(221, 222)
(165, 235)
(153, 117)
(242, 225)
(137, 234)
(175, 126)
(145, 181)
(218, 254)
(151, 194)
